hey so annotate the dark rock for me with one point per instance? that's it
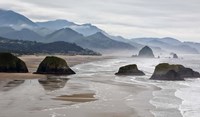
(175, 56)
(146, 52)
(165, 71)
(129, 70)
(12, 64)
(54, 65)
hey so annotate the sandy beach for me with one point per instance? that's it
(93, 92)
(33, 61)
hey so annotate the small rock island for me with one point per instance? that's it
(12, 64)
(165, 71)
(146, 52)
(175, 56)
(130, 70)
(54, 65)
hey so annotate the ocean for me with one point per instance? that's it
(119, 96)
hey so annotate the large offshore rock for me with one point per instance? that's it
(129, 70)
(165, 71)
(146, 52)
(12, 64)
(54, 65)
(175, 56)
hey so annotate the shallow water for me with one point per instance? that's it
(116, 96)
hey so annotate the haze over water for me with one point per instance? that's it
(123, 96)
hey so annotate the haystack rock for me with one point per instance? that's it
(165, 71)
(54, 65)
(129, 70)
(12, 64)
(175, 56)
(146, 52)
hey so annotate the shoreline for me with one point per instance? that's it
(143, 94)
(102, 96)
(33, 61)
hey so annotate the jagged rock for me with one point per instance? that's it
(146, 52)
(165, 71)
(54, 65)
(129, 70)
(12, 64)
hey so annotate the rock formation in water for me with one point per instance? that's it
(54, 65)
(175, 56)
(129, 70)
(165, 71)
(12, 64)
(146, 52)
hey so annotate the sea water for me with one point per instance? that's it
(173, 98)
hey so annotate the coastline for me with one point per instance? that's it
(82, 95)
(32, 62)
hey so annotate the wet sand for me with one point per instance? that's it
(85, 97)
(78, 96)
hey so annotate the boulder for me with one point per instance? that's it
(165, 71)
(12, 64)
(129, 70)
(146, 52)
(54, 65)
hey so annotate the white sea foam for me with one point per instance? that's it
(190, 106)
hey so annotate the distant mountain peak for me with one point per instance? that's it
(64, 30)
(99, 35)
(15, 20)
(56, 24)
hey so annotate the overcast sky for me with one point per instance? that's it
(129, 18)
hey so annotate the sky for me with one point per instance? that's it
(129, 18)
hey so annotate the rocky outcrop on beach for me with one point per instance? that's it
(12, 64)
(130, 70)
(54, 65)
(146, 52)
(165, 71)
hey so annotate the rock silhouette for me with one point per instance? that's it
(165, 71)
(129, 70)
(12, 64)
(146, 52)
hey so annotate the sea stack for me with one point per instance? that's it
(165, 71)
(130, 70)
(54, 65)
(146, 52)
(175, 56)
(12, 64)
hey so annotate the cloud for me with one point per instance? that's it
(129, 18)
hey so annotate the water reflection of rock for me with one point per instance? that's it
(7, 85)
(53, 83)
